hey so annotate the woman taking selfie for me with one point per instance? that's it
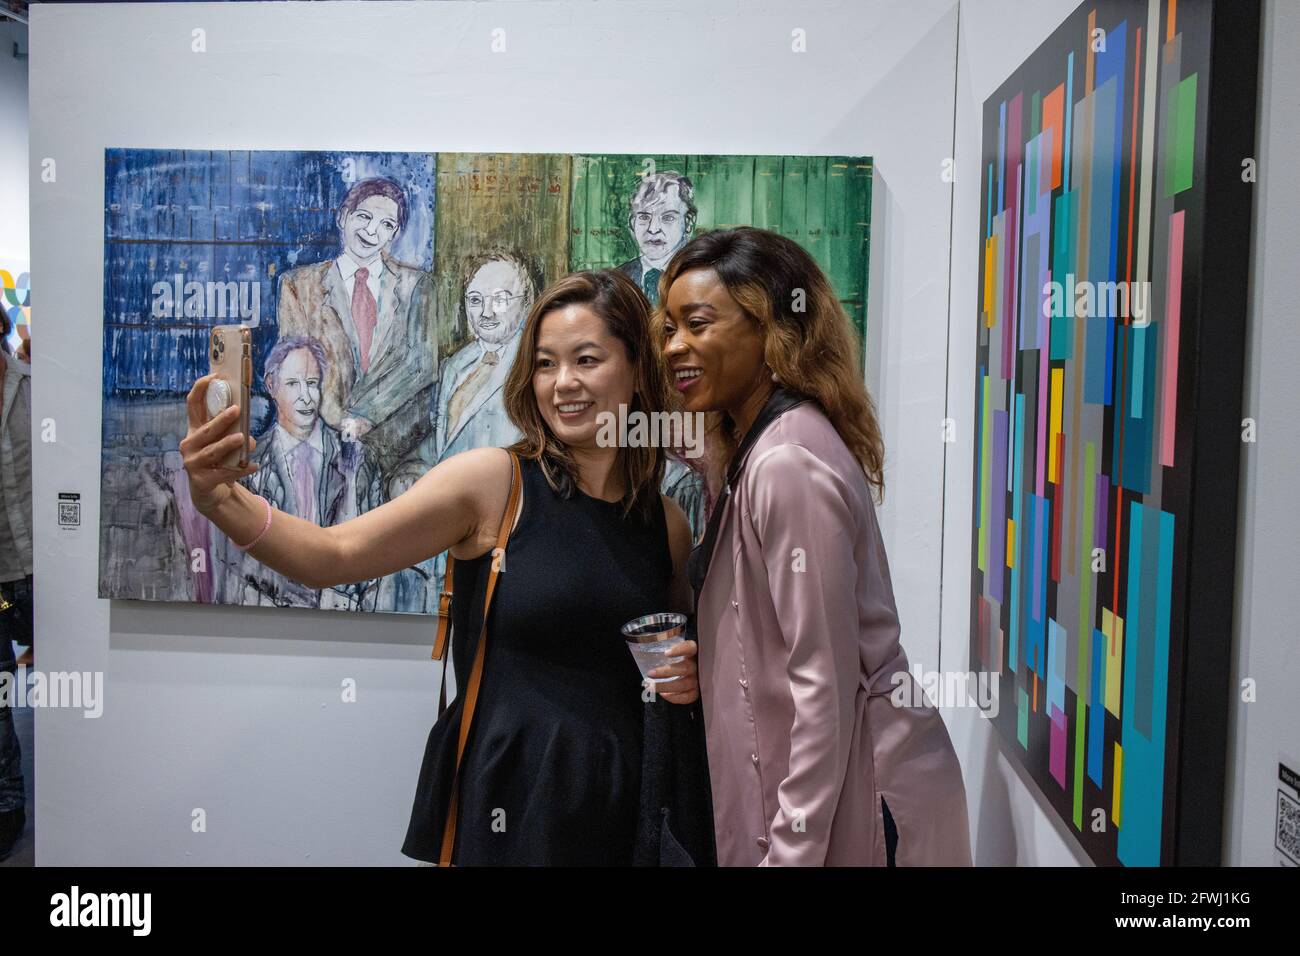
(811, 761)
(552, 769)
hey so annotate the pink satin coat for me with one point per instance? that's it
(799, 656)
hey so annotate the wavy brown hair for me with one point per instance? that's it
(626, 313)
(813, 349)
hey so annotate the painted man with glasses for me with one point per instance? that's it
(498, 289)
(662, 220)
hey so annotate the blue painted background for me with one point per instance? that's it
(221, 215)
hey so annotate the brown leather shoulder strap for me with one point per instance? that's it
(476, 670)
(444, 611)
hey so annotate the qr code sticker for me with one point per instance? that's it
(1288, 826)
(69, 514)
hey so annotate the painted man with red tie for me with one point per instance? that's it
(372, 315)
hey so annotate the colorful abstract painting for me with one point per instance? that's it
(16, 300)
(1096, 230)
(387, 293)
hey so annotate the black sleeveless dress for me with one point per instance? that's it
(552, 768)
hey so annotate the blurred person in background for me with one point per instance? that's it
(15, 570)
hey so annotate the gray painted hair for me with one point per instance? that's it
(653, 188)
(289, 344)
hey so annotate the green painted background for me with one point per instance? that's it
(821, 202)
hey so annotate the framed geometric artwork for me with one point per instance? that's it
(433, 261)
(1114, 240)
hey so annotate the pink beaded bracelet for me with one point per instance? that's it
(265, 528)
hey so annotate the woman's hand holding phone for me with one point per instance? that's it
(204, 447)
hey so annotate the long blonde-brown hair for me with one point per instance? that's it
(626, 313)
(809, 343)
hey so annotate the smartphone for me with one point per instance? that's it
(230, 359)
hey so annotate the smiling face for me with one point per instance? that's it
(369, 229)
(496, 301)
(714, 350)
(296, 391)
(581, 370)
(660, 227)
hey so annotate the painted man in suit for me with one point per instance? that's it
(498, 290)
(305, 468)
(372, 315)
(661, 221)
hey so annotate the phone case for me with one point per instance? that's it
(230, 358)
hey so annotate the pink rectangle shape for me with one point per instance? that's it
(1101, 510)
(1056, 746)
(1173, 316)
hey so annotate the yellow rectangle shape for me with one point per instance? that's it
(990, 271)
(1117, 790)
(1114, 658)
(1058, 386)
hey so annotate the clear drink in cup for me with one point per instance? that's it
(649, 637)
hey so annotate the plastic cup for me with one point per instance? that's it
(649, 638)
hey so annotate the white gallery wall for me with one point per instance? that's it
(1266, 731)
(237, 712)
(1012, 824)
(14, 244)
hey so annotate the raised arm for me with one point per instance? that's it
(451, 504)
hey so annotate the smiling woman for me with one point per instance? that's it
(586, 351)
(799, 633)
(557, 768)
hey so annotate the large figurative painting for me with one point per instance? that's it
(387, 293)
(1114, 235)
